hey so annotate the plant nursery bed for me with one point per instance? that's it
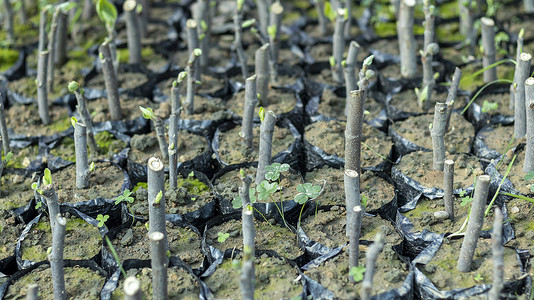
(280, 102)
(275, 279)
(428, 214)
(16, 191)
(24, 120)
(181, 284)
(521, 217)
(99, 108)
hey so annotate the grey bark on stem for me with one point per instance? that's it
(262, 74)
(520, 110)
(52, 46)
(448, 187)
(191, 70)
(351, 184)
(160, 134)
(467, 27)
(498, 256)
(110, 80)
(192, 44)
(50, 195)
(354, 238)
(33, 292)
(519, 50)
(132, 289)
(490, 52)
(406, 39)
(3, 126)
(396, 7)
(81, 107)
(348, 24)
(438, 135)
(251, 99)
(266, 144)
(350, 70)
(321, 18)
(143, 17)
(247, 215)
(156, 185)
(275, 21)
(60, 56)
(238, 43)
(159, 262)
(425, 97)
(338, 46)
(246, 278)
(8, 20)
(173, 150)
(88, 10)
(429, 33)
(263, 16)
(80, 146)
(528, 6)
(56, 257)
(451, 96)
(371, 257)
(353, 131)
(528, 165)
(133, 31)
(176, 106)
(42, 92)
(201, 13)
(474, 225)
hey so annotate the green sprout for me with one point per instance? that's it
(489, 106)
(222, 237)
(271, 31)
(478, 278)
(73, 86)
(148, 113)
(73, 121)
(248, 23)
(329, 12)
(101, 219)
(332, 61)
(466, 199)
(125, 197)
(159, 196)
(182, 76)
(261, 113)
(47, 177)
(357, 273)
(272, 172)
(107, 13)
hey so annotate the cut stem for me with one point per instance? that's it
(528, 165)
(520, 111)
(371, 257)
(238, 43)
(262, 74)
(406, 39)
(338, 46)
(438, 135)
(448, 188)
(251, 99)
(42, 92)
(353, 131)
(249, 232)
(498, 256)
(192, 44)
(354, 237)
(474, 226)
(132, 289)
(110, 80)
(160, 262)
(133, 31)
(3, 125)
(156, 207)
(173, 151)
(490, 52)
(56, 257)
(80, 146)
(453, 92)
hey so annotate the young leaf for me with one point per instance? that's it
(240, 4)
(47, 178)
(332, 61)
(107, 12)
(329, 12)
(73, 121)
(237, 202)
(92, 166)
(248, 23)
(182, 76)
(368, 61)
(489, 106)
(222, 237)
(300, 198)
(73, 86)
(529, 176)
(271, 31)
(148, 113)
(197, 52)
(357, 273)
(262, 114)
(158, 197)
(266, 189)
(8, 157)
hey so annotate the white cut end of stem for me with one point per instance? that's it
(61, 220)
(529, 81)
(357, 209)
(487, 21)
(484, 177)
(156, 236)
(409, 2)
(525, 56)
(252, 78)
(449, 162)
(191, 24)
(129, 5)
(277, 8)
(155, 164)
(351, 173)
(132, 286)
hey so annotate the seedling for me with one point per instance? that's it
(128, 199)
(489, 106)
(306, 191)
(357, 273)
(149, 114)
(478, 278)
(108, 14)
(222, 237)
(101, 219)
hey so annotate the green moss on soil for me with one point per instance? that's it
(448, 10)
(147, 54)
(7, 58)
(386, 29)
(106, 142)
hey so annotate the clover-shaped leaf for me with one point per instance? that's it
(265, 189)
(272, 172)
(357, 273)
(237, 202)
(309, 189)
(300, 198)
(529, 176)
(222, 237)
(148, 113)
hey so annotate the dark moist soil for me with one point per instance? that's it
(107, 144)
(105, 181)
(79, 232)
(376, 189)
(25, 120)
(329, 228)
(227, 185)
(457, 140)
(210, 84)
(232, 150)
(442, 269)
(516, 174)
(9, 233)
(279, 102)
(418, 166)
(180, 284)
(407, 101)
(268, 237)
(144, 146)
(503, 102)
(99, 108)
(423, 217)
(330, 137)
(334, 107)
(206, 109)
(275, 279)
(22, 158)
(27, 87)
(125, 80)
(15, 191)
(334, 273)
(133, 243)
(499, 138)
(80, 283)
(191, 195)
(521, 217)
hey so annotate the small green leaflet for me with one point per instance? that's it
(148, 113)
(271, 31)
(266, 189)
(222, 237)
(357, 273)
(158, 197)
(306, 191)
(489, 106)
(329, 12)
(101, 219)
(272, 172)
(73, 86)
(73, 121)
(261, 113)
(106, 12)
(47, 178)
(529, 176)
